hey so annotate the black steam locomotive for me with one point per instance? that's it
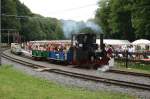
(85, 51)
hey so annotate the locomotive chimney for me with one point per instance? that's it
(101, 41)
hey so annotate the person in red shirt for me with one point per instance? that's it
(110, 51)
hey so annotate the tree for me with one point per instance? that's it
(125, 19)
(59, 31)
(102, 17)
(141, 18)
(16, 15)
(9, 8)
(121, 22)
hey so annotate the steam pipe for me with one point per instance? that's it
(71, 39)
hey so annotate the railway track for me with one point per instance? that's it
(122, 72)
(2, 48)
(81, 76)
(119, 71)
(129, 73)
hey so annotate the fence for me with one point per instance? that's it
(136, 57)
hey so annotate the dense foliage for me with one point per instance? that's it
(16, 15)
(124, 19)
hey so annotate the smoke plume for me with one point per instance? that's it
(70, 26)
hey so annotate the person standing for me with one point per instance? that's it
(110, 55)
(110, 51)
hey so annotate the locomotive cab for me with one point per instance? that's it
(85, 50)
(86, 41)
(84, 47)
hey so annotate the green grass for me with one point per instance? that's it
(135, 67)
(17, 85)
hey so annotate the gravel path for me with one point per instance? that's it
(70, 81)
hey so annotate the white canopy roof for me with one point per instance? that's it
(114, 42)
(141, 42)
(106, 41)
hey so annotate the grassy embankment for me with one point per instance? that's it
(133, 66)
(17, 85)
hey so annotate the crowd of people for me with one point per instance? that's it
(131, 51)
(48, 46)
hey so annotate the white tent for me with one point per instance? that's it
(141, 42)
(114, 42)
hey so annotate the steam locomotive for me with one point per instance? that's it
(83, 52)
(86, 53)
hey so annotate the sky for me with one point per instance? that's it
(78, 10)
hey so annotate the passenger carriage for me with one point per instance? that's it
(16, 48)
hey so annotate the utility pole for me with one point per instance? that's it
(0, 47)
(0, 39)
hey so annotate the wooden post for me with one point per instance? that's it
(14, 38)
(126, 62)
(8, 37)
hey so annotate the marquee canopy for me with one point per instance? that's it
(141, 42)
(114, 42)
